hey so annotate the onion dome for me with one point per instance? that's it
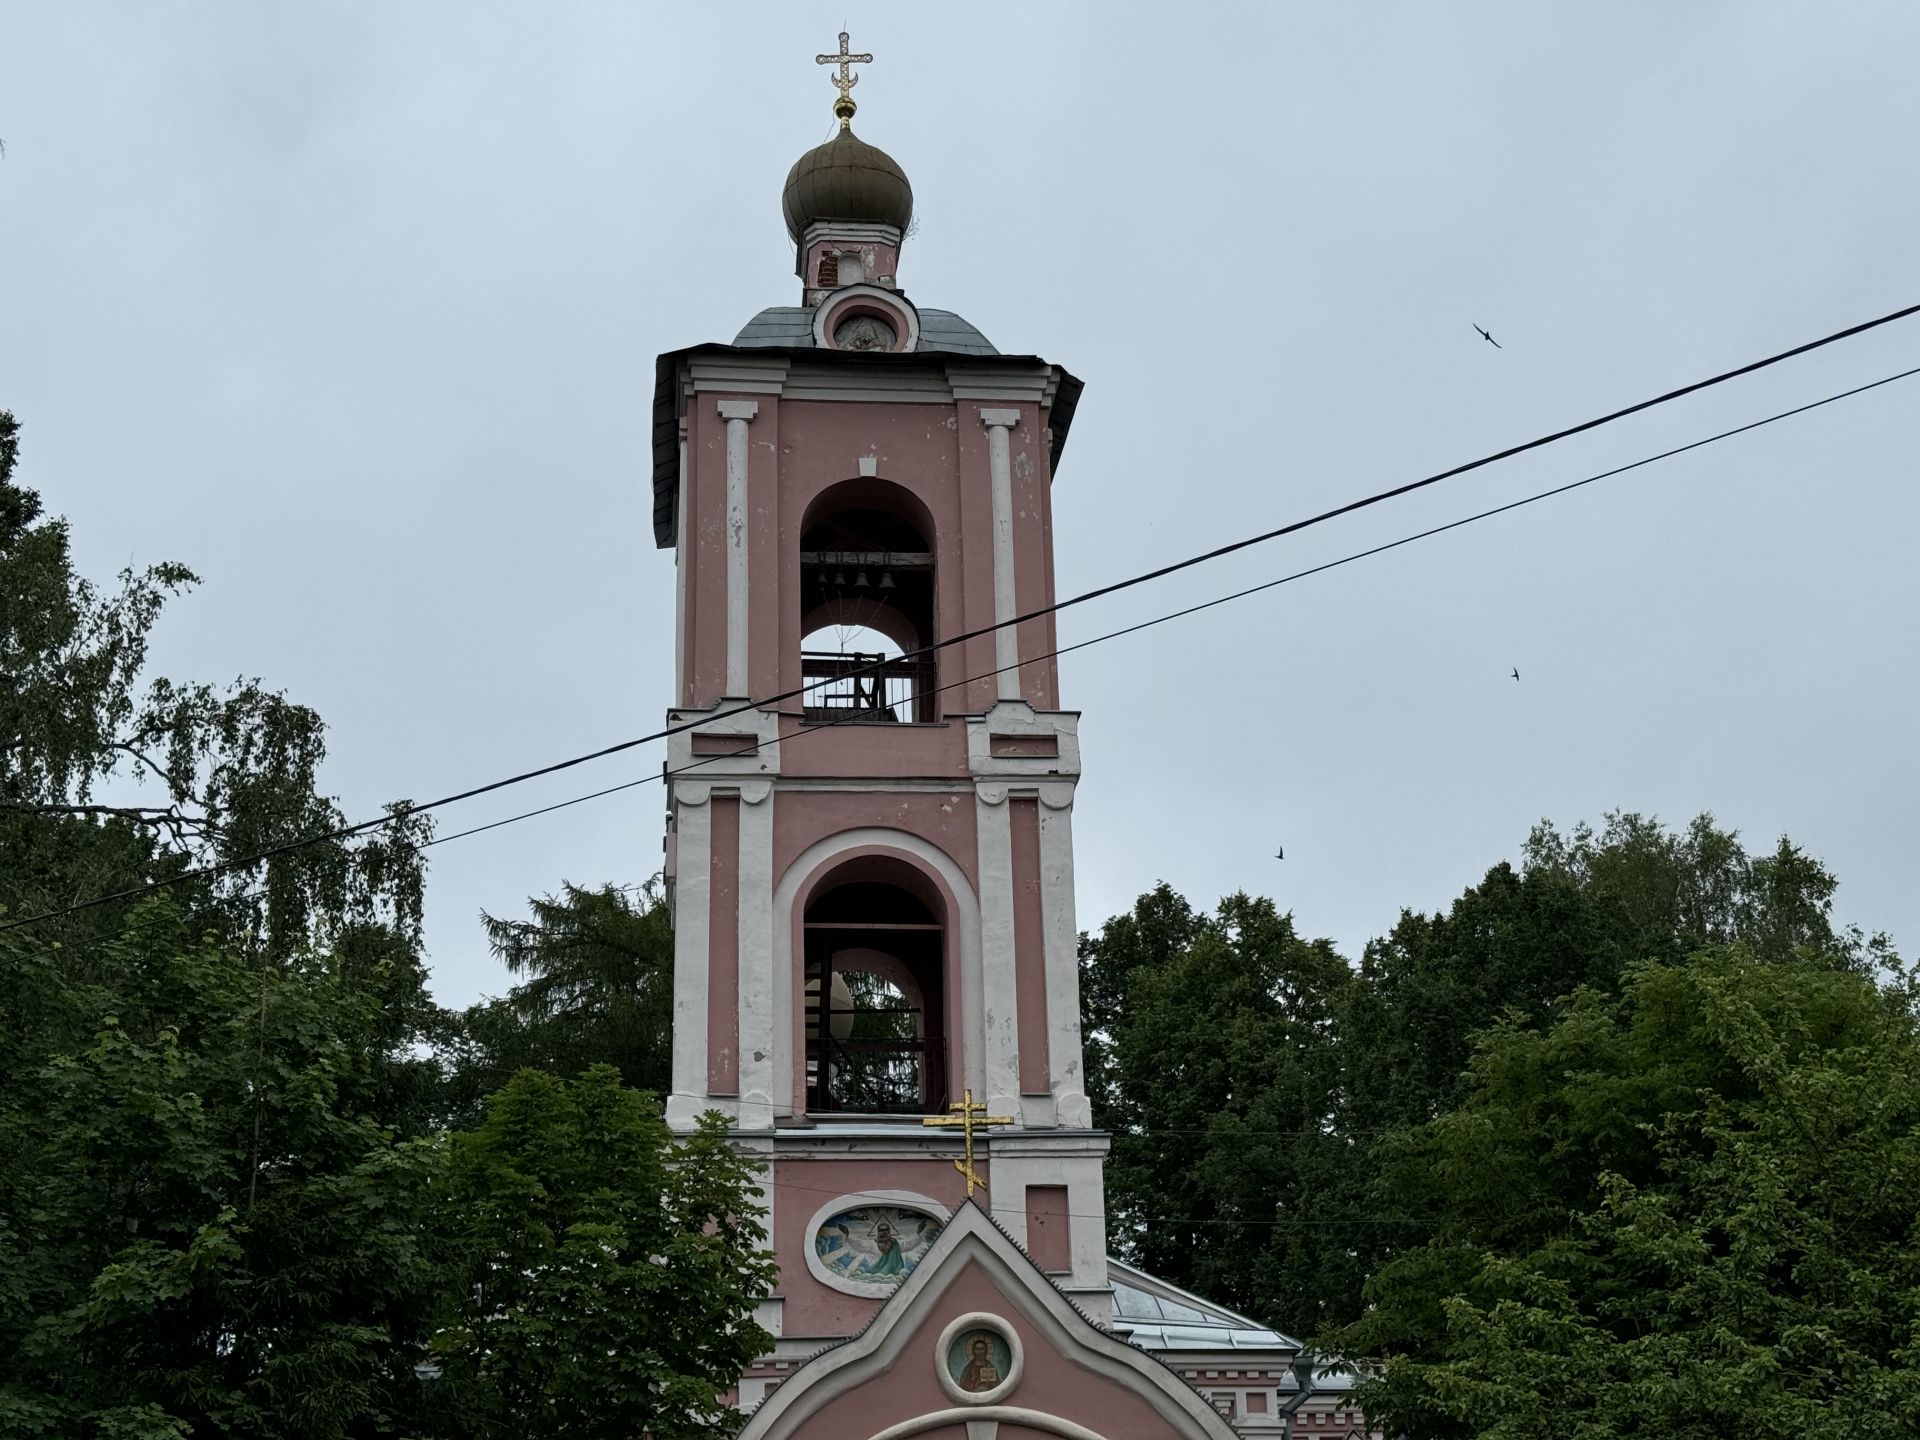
(846, 179)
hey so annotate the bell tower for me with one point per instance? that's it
(872, 879)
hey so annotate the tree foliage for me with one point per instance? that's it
(596, 988)
(1690, 1209)
(1254, 1082)
(111, 780)
(230, 1203)
(611, 1271)
(1221, 1083)
(207, 1223)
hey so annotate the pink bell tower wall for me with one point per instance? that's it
(912, 838)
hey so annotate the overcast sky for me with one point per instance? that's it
(352, 307)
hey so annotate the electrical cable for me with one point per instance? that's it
(348, 831)
(667, 773)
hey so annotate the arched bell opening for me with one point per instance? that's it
(875, 962)
(866, 602)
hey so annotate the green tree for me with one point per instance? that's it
(213, 1102)
(596, 989)
(1686, 1209)
(207, 1225)
(1281, 1217)
(612, 1271)
(1160, 926)
(1579, 911)
(111, 780)
(1221, 1068)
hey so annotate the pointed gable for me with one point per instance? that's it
(977, 1338)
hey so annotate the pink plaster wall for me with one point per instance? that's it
(1049, 1242)
(1033, 558)
(903, 752)
(943, 820)
(1029, 947)
(796, 450)
(801, 1188)
(1051, 1382)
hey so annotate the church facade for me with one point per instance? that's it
(870, 861)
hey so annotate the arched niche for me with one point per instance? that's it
(874, 987)
(867, 574)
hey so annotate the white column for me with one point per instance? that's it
(758, 1007)
(693, 827)
(738, 414)
(1069, 1081)
(680, 574)
(1000, 1020)
(1006, 644)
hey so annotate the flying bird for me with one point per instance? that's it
(1516, 673)
(1281, 853)
(1489, 339)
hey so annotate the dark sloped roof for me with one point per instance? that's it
(790, 327)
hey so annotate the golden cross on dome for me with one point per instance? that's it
(967, 1113)
(845, 80)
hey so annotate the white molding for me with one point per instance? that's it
(1009, 383)
(751, 772)
(877, 231)
(740, 374)
(1000, 1018)
(861, 298)
(693, 827)
(866, 385)
(1006, 640)
(1023, 1160)
(738, 414)
(680, 559)
(909, 383)
(809, 863)
(979, 1320)
(1015, 719)
(759, 1015)
(852, 1200)
(990, 1415)
(1061, 948)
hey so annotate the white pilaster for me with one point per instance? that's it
(758, 1008)
(1062, 955)
(738, 414)
(680, 575)
(997, 969)
(1006, 644)
(693, 825)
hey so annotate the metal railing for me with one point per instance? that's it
(876, 1077)
(865, 689)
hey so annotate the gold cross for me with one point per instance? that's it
(967, 1113)
(845, 80)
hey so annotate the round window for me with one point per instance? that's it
(864, 332)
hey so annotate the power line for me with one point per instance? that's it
(751, 749)
(345, 832)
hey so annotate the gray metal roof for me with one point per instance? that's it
(1163, 1318)
(790, 327)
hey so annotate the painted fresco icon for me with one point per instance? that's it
(979, 1360)
(875, 1244)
